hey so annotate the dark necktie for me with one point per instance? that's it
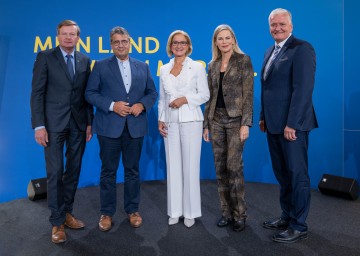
(70, 66)
(276, 51)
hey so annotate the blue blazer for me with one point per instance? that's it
(105, 85)
(286, 92)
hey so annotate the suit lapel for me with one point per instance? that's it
(134, 72)
(61, 59)
(274, 61)
(78, 62)
(216, 74)
(231, 63)
(114, 67)
(281, 53)
(284, 48)
(266, 59)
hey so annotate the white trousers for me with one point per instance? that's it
(183, 150)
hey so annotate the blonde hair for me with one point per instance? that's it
(216, 53)
(169, 42)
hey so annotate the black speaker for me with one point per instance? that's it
(339, 186)
(37, 189)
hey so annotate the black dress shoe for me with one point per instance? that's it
(239, 225)
(289, 236)
(278, 224)
(223, 222)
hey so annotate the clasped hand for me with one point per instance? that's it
(122, 108)
(177, 103)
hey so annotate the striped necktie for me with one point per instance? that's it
(276, 51)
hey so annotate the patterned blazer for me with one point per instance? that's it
(238, 89)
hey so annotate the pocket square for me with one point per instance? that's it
(283, 59)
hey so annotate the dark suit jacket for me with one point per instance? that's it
(286, 93)
(238, 89)
(54, 96)
(106, 85)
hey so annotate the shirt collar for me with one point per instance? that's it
(124, 62)
(65, 53)
(187, 59)
(281, 44)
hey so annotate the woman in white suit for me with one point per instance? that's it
(183, 88)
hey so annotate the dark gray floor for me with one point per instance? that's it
(334, 225)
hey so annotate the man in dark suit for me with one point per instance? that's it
(287, 116)
(60, 115)
(123, 91)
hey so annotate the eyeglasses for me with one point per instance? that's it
(122, 42)
(182, 43)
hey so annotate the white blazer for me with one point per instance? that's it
(192, 83)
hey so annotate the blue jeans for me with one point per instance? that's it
(110, 152)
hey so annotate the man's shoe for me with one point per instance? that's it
(239, 225)
(58, 234)
(223, 222)
(135, 219)
(289, 236)
(105, 223)
(276, 224)
(189, 222)
(72, 222)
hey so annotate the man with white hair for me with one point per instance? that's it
(287, 116)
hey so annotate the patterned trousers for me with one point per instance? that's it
(227, 148)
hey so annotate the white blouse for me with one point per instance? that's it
(191, 83)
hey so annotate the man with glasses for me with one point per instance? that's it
(123, 91)
(60, 115)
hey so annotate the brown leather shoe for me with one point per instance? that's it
(72, 222)
(105, 223)
(135, 219)
(58, 234)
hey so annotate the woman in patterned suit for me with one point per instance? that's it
(228, 116)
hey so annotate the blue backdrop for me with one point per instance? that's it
(27, 27)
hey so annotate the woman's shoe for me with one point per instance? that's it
(173, 221)
(189, 222)
(239, 225)
(223, 222)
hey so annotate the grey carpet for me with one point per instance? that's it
(334, 226)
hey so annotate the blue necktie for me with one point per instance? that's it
(276, 51)
(70, 66)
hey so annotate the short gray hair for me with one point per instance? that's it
(120, 31)
(280, 11)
